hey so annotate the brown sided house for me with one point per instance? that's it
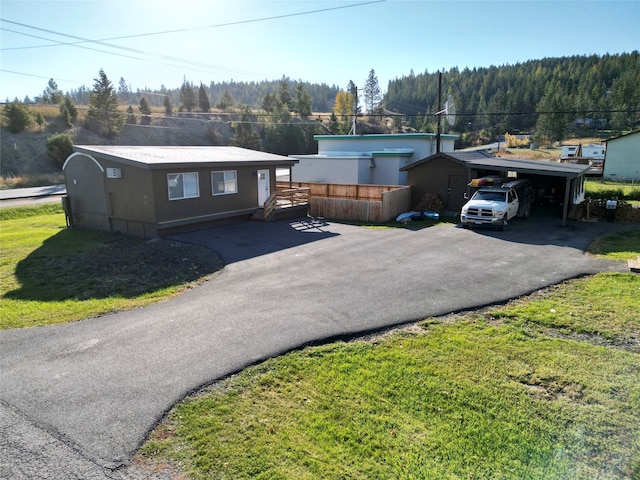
(149, 191)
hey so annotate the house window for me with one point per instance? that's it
(223, 183)
(183, 185)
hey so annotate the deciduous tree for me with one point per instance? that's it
(343, 106)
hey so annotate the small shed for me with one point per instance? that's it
(149, 191)
(448, 176)
(622, 158)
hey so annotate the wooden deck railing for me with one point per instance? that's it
(286, 197)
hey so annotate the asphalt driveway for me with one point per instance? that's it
(95, 388)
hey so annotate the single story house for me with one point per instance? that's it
(622, 159)
(448, 174)
(366, 159)
(148, 191)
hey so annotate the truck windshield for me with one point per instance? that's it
(490, 196)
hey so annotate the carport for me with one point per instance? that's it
(448, 175)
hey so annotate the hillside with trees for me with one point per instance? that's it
(552, 97)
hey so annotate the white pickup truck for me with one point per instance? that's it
(496, 205)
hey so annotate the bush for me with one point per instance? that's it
(18, 115)
(60, 146)
(514, 142)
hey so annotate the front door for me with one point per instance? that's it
(264, 188)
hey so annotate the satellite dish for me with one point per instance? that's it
(450, 111)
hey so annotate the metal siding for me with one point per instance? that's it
(207, 203)
(86, 190)
(131, 196)
(622, 161)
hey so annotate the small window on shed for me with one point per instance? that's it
(223, 183)
(183, 185)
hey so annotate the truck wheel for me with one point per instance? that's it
(504, 223)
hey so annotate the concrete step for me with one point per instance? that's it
(634, 265)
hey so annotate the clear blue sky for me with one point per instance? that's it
(317, 41)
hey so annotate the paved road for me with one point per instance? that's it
(92, 390)
(15, 197)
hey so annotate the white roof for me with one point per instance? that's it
(168, 156)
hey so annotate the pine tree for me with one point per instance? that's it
(168, 109)
(52, 93)
(69, 107)
(66, 116)
(225, 102)
(283, 93)
(302, 101)
(145, 110)
(269, 102)
(131, 116)
(372, 95)
(203, 99)
(124, 92)
(244, 136)
(187, 96)
(19, 116)
(104, 117)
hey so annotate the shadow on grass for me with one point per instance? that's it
(81, 265)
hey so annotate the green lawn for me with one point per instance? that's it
(597, 188)
(545, 387)
(51, 274)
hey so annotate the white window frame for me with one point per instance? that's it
(229, 182)
(190, 191)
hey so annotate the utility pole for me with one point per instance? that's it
(355, 112)
(439, 114)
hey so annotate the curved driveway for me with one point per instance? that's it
(99, 385)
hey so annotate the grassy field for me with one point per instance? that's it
(51, 274)
(608, 189)
(547, 386)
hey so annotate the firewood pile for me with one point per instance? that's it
(431, 203)
(625, 212)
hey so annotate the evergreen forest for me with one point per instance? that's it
(584, 94)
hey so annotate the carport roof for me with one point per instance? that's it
(153, 157)
(481, 160)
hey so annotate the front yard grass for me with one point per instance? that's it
(51, 274)
(547, 386)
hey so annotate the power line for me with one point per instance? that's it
(128, 49)
(181, 30)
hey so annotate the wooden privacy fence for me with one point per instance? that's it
(367, 203)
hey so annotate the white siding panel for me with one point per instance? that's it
(622, 161)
